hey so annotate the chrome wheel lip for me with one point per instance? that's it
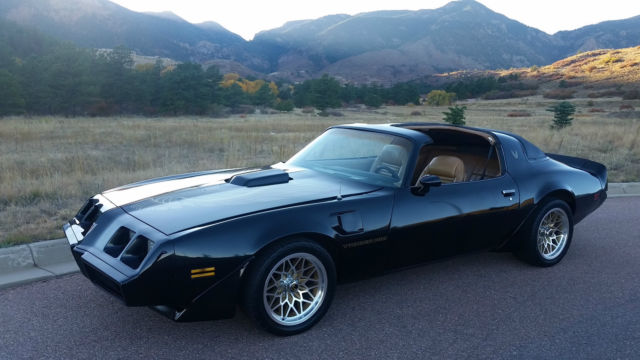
(553, 233)
(294, 289)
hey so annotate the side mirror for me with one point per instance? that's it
(425, 183)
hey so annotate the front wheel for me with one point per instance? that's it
(290, 288)
(547, 237)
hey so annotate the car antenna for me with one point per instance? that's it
(339, 197)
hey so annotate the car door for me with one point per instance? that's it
(451, 218)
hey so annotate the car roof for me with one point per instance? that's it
(416, 136)
(411, 129)
(530, 150)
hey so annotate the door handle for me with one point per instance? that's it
(508, 192)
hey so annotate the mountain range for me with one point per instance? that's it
(381, 46)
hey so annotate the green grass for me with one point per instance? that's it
(50, 165)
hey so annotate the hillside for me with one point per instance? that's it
(20, 42)
(599, 68)
(388, 46)
(605, 35)
(392, 46)
(376, 47)
(592, 74)
(103, 24)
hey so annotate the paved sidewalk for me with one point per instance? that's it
(47, 259)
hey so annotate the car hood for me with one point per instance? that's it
(182, 202)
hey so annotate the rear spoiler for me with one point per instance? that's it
(594, 168)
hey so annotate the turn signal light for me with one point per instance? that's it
(198, 273)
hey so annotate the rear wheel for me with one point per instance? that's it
(547, 236)
(290, 288)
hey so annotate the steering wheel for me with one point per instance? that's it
(387, 170)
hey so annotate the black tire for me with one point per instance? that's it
(309, 292)
(538, 244)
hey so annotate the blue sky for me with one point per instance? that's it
(246, 18)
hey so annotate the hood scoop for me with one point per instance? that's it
(261, 178)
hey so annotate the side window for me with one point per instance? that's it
(459, 163)
(489, 167)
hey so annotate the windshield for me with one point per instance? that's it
(370, 157)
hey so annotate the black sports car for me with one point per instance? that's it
(358, 199)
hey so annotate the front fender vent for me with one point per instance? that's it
(88, 215)
(136, 252)
(118, 242)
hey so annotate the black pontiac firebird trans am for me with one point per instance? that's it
(276, 239)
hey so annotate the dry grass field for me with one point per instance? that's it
(49, 165)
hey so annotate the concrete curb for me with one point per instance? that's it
(48, 259)
(37, 261)
(623, 189)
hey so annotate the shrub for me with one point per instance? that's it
(372, 100)
(335, 113)
(559, 94)
(610, 60)
(416, 113)
(606, 93)
(101, 108)
(243, 109)
(284, 105)
(627, 107)
(562, 113)
(455, 115)
(629, 63)
(308, 110)
(497, 95)
(596, 110)
(328, 112)
(568, 84)
(631, 95)
(519, 113)
(440, 98)
(590, 103)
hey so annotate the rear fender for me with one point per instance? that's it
(562, 194)
(594, 168)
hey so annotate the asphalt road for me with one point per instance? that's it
(481, 305)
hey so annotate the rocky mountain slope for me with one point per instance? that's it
(381, 46)
(103, 24)
(396, 45)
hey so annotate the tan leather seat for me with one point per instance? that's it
(448, 168)
(393, 157)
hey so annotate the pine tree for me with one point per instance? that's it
(455, 115)
(264, 96)
(11, 100)
(562, 112)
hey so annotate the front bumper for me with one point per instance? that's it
(161, 281)
(106, 277)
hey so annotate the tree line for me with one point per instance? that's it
(43, 76)
(40, 75)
